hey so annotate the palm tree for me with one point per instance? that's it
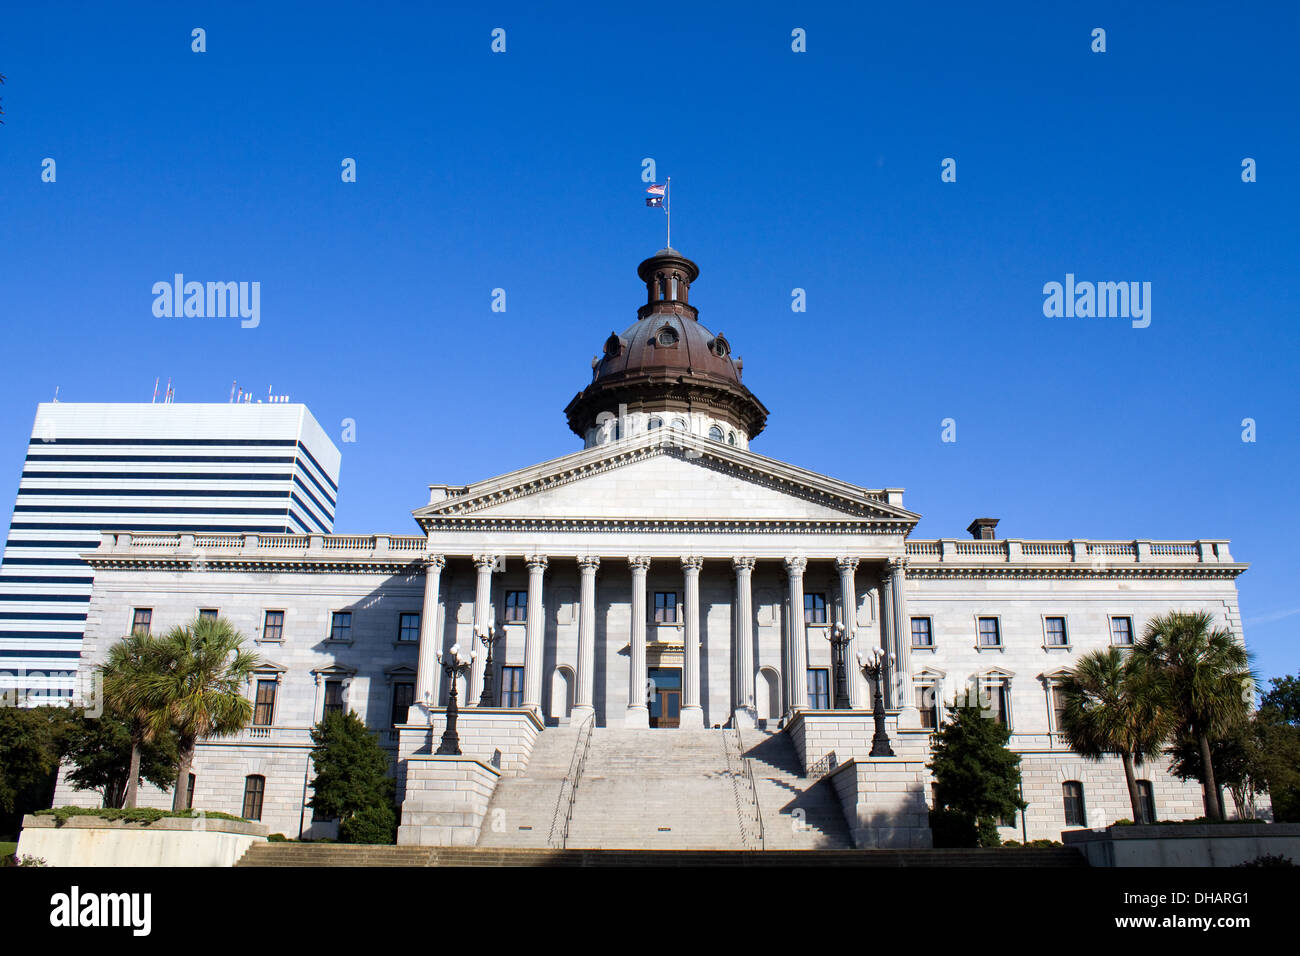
(197, 693)
(1110, 709)
(1203, 676)
(129, 662)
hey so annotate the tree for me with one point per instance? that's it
(1278, 726)
(1111, 709)
(195, 689)
(976, 778)
(130, 664)
(103, 752)
(1202, 676)
(352, 783)
(29, 754)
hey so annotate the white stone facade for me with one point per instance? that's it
(564, 560)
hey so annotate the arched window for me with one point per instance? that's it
(731, 438)
(656, 422)
(254, 788)
(667, 336)
(1072, 794)
(679, 423)
(674, 287)
(715, 433)
(663, 288)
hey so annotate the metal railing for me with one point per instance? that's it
(744, 774)
(559, 835)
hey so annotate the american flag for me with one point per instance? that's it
(655, 189)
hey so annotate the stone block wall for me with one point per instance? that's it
(445, 800)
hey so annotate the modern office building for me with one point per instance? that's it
(89, 468)
(665, 605)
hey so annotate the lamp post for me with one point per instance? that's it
(453, 666)
(487, 637)
(839, 639)
(873, 665)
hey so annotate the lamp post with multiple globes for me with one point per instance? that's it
(874, 664)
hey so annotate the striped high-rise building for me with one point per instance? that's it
(92, 468)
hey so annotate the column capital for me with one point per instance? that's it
(438, 561)
(589, 562)
(847, 562)
(692, 563)
(489, 561)
(638, 562)
(896, 566)
(796, 565)
(744, 563)
(537, 562)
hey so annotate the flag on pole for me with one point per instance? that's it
(654, 200)
(656, 189)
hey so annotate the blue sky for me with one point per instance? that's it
(818, 170)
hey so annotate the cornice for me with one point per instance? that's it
(1226, 572)
(310, 564)
(765, 526)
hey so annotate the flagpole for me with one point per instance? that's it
(668, 208)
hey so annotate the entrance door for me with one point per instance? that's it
(665, 697)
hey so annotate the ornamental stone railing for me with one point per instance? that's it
(1073, 551)
(272, 544)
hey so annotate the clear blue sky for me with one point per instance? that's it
(816, 170)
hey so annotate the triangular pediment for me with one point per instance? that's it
(680, 478)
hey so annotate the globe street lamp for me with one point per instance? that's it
(487, 636)
(839, 639)
(873, 664)
(453, 666)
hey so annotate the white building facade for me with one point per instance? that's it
(664, 577)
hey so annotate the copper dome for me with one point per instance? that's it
(666, 360)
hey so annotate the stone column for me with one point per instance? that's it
(744, 713)
(638, 714)
(797, 681)
(585, 691)
(428, 668)
(486, 564)
(858, 696)
(534, 628)
(908, 716)
(692, 712)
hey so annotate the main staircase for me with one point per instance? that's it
(620, 797)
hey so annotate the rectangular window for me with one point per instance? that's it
(333, 698)
(1072, 793)
(1147, 801)
(1121, 631)
(264, 708)
(819, 686)
(341, 626)
(512, 687)
(189, 792)
(254, 787)
(996, 698)
(408, 627)
(1058, 709)
(665, 607)
(141, 618)
(814, 608)
(208, 614)
(1056, 636)
(403, 698)
(990, 633)
(273, 626)
(927, 702)
(516, 607)
(922, 634)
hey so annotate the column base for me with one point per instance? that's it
(580, 713)
(909, 718)
(637, 717)
(692, 717)
(744, 718)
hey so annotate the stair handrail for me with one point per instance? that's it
(576, 762)
(753, 788)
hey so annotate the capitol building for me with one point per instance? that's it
(675, 627)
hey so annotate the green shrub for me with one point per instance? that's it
(145, 815)
(277, 838)
(374, 824)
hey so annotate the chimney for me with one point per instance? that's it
(983, 529)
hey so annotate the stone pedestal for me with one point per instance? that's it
(445, 800)
(501, 737)
(884, 802)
